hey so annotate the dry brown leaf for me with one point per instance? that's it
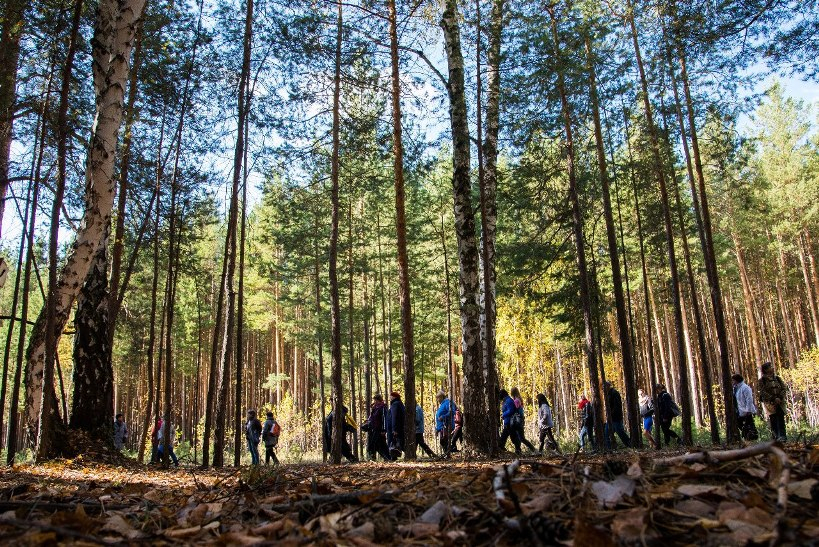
(695, 507)
(435, 514)
(632, 526)
(635, 471)
(803, 489)
(366, 531)
(611, 493)
(418, 530)
(240, 538)
(539, 503)
(119, 525)
(693, 490)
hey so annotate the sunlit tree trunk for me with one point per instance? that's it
(476, 421)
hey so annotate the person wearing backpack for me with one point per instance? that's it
(666, 413)
(647, 414)
(376, 428)
(253, 434)
(120, 432)
(545, 423)
(270, 435)
(346, 449)
(509, 413)
(160, 449)
(419, 431)
(519, 421)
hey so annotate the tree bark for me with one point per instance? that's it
(685, 395)
(476, 423)
(115, 29)
(407, 343)
(335, 306)
(635, 427)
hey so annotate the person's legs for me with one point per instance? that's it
(552, 441)
(174, 458)
(505, 433)
(779, 417)
(419, 440)
(606, 439)
(515, 435)
(583, 432)
(621, 432)
(648, 423)
(457, 435)
(523, 438)
(347, 451)
(542, 440)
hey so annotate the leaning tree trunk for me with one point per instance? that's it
(476, 421)
(407, 346)
(115, 29)
(685, 395)
(489, 210)
(577, 226)
(614, 256)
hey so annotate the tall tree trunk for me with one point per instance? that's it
(407, 344)
(170, 300)
(685, 395)
(614, 256)
(476, 423)
(111, 53)
(810, 287)
(488, 180)
(10, 34)
(351, 322)
(335, 307)
(698, 320)
(319, 341)
(240, 316)
(707, 243)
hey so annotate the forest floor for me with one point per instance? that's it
(753, 496)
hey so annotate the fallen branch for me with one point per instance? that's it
(90, 507)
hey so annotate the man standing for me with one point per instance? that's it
(772, 395)
(395, 431)
(270, 436)
(253, 433)
(586, 409)
(444, 420)
(745, 408)
(120, 432)
(615, 415)
(376, 427)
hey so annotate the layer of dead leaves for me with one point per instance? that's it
(617, 499)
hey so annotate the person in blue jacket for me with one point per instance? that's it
(444, 419)
(509, 412)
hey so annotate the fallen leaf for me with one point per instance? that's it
(366, 531)
(538, 504)
(803, 489)
(631, 526)
(419, 529)
(435, 514)
(635, 471)
(695, 507)
(692, 490)
(119, 525)
(609, 494)
(182, 533)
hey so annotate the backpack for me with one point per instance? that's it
(276, 430)
(647, 409)
(673, 407)
(459, 417)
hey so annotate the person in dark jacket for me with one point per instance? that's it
(376, 428)
(270, 440)
(253, 434)
(508, 416)
(395, 432)
(665, 415)
(518, 423)
(346, 450)
(615, 421)
(586, 409)
(419, 431)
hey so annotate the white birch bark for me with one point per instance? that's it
(113, 39)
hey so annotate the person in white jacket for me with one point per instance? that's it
(746, 409)
(545, 423)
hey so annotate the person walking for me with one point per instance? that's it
(419, 431)
(120, 432)
(395, 431)
(647, 414)
(458, 431)
(376, 428)
(615, 421)
(270, 436)
(444, 421)
(545, 423)
(253, 434)
(666, 413)
(160, 449)
(746, 409)
(155, 439)
(772, 394)
(346, 449)
(518, 424)
(586, 409)
(509, 413)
